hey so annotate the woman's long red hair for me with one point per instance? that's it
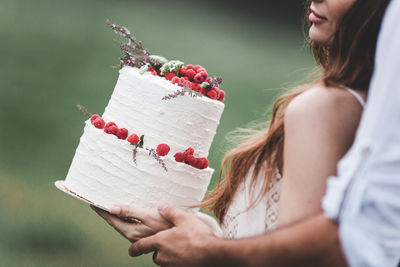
(347, 61)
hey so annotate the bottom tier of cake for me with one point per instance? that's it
(103, 171)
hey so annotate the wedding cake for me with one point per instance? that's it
(152, 141)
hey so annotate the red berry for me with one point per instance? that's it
(190, 74)
(204, 74)
(99, 123)
(182, 72)
(198, 67)
(150, 69)
(189, 159)
(189, 67)
(175, 80)
(221, 96)
(108, 124)
(95, 116)
(179, 157)
(133, 138)
(204, 163)
(203, 90)
(122, 133)
(186, 78)
(162, 149)
(198, 78)
(154, 73)
(195, 162)
(111, 130)
(201, 70)
(189, 151)
(169, 76)
(213, 94)
(196, 87)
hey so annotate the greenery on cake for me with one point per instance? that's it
(194, 77)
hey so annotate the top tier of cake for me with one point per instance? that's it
(180, 122)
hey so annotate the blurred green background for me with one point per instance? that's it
(57, 53)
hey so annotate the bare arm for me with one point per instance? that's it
(312, 242)
(320, 125)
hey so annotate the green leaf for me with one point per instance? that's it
(141, 141)
(143, 69)
(205, 85)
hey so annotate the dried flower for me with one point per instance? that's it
(153, 153)
(84, 110)
(134, 155)
(215, 81)
(134, 53)
(181, 92)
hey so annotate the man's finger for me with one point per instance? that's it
(172, 214)
(143, 246)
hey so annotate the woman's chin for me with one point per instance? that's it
(318, 36)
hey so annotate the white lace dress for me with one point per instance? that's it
(262, 217)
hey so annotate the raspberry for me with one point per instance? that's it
(195, 162)
(108, 124)
(150, 69)
(196, 87)
(189, 67)
(154, 73)
(99, 123)
(203, 163)
(203, 90)
(111, 130)
(133, 138)
(169, 76)
(221, 96)
(213, 94)
(204, 74)
(179, 157)
(95, 116)
(182, 72)
(189, 159)
(190, 74)
(201, 70)
(122, 133)
(189, 151)
(198, 78)
(186, 78)
(175, 80)
(197, 67)
(162, 149)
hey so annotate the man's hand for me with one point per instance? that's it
(185, 244)
(123, 218)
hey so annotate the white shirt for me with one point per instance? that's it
(365, 197)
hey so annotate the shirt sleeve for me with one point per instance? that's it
(365, 197)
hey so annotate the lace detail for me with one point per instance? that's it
(240, 221)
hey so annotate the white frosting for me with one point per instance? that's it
(103, 170)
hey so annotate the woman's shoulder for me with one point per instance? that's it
(321, 102)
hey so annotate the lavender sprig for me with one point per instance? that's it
(134, 155)
(181, 92)
(134, 53)
(153, 153)
(84, 110)
(215, 81)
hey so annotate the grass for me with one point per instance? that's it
(57, 53)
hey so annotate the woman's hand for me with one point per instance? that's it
(124, 219)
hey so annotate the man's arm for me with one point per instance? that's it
(313, 242)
